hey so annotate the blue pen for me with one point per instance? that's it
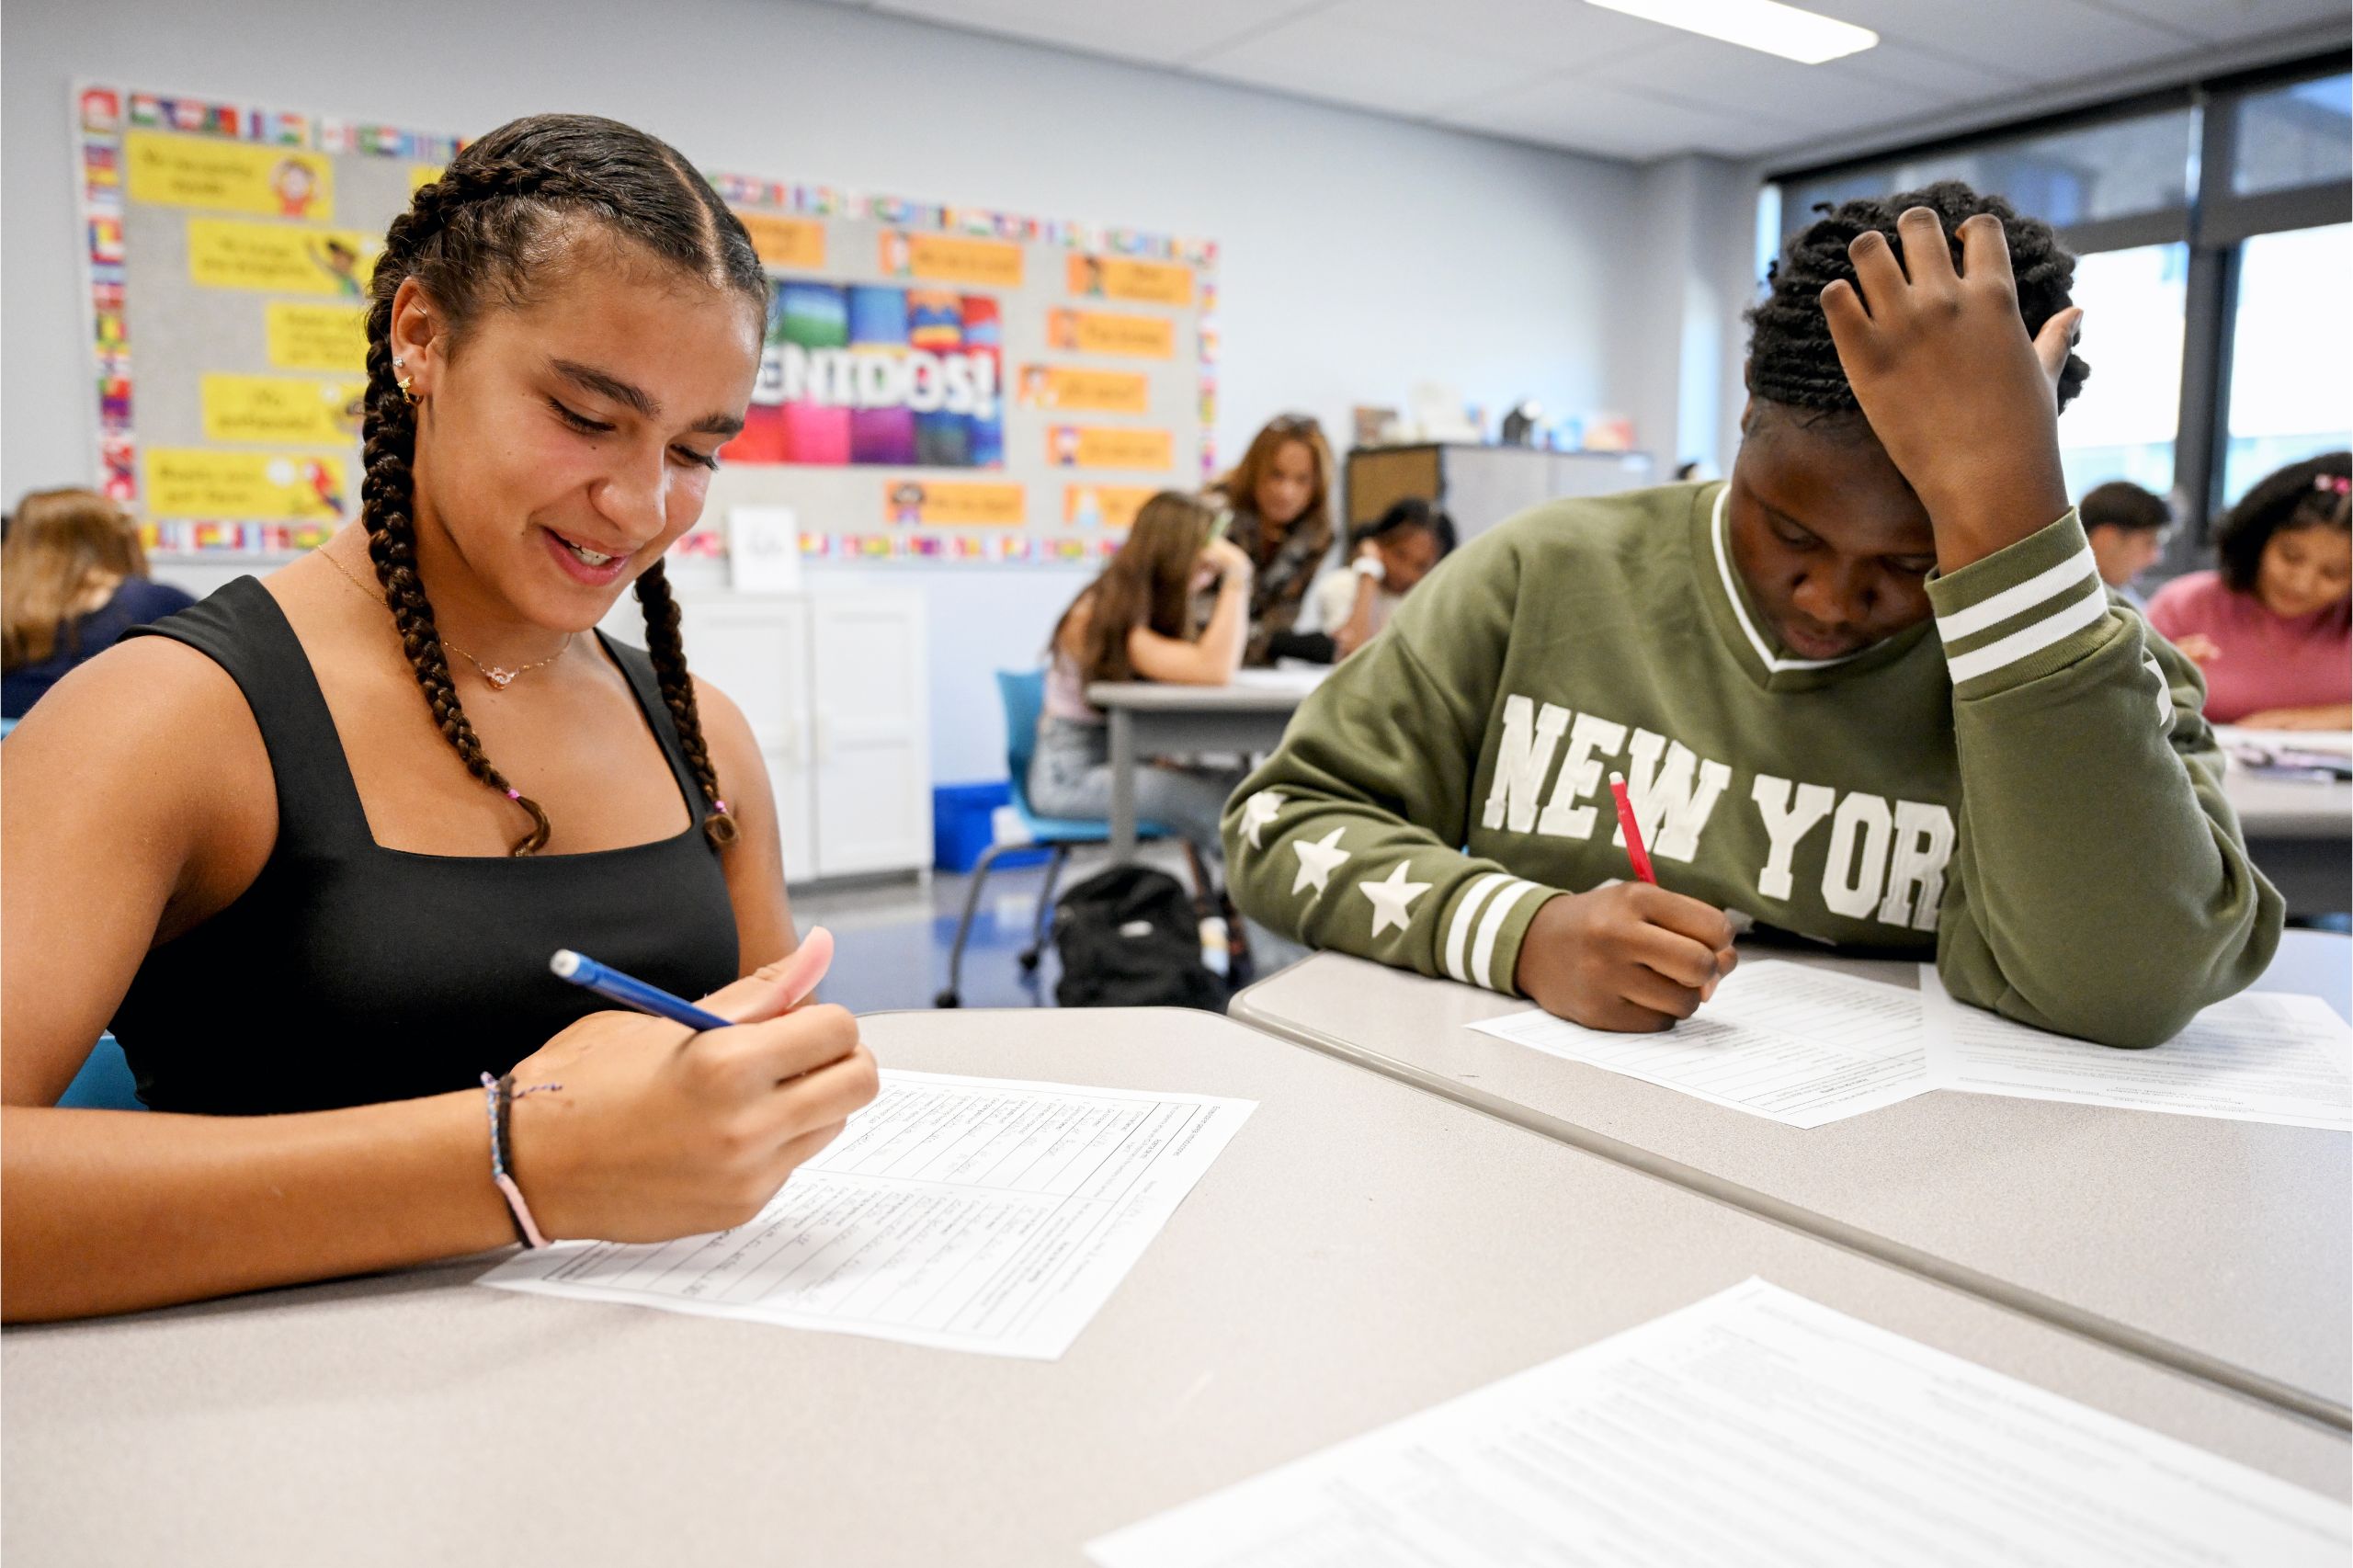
(631, 992)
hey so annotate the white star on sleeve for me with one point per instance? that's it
(1258, 814)
(1392, 899)
(1318, 860)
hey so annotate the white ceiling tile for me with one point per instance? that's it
(1944, 78)
(1543, 35)
(1160, 32)
(1815, 99)
(1592, 116)
(1324, 59)
(2224, 21)
(2043, 40)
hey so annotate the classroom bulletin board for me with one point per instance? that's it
(936, 383)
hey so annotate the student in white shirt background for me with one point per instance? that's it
(1386, 560)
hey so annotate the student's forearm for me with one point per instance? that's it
(1228, 632)
(110, 1211)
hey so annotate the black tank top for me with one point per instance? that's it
(348, 973)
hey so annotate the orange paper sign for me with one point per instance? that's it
(951, 258)
(1124, 278)
(1084, 392)
(1097, 445)
(786, 242)
(1107, 332)
(1104, 506)
(954, 503)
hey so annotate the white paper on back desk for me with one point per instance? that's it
(984, 1214)
(2260, 1056)
(1760, 1428)
(1799, 1045)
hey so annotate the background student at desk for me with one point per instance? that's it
(1995, 768)
(1136, 622)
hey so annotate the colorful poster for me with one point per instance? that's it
(1124, 278)
(225, 253)
(1102, 445)
(316, 337)
(230, 176)
(1104, 506)
(1079, 390)
(281, 410)
(955, 504)
(797, 245)
(268, 486)
(873, 374)
(1108, 332)
(950, 258)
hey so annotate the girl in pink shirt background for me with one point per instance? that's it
(2272, 628)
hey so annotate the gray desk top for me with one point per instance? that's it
(2282, 808)
(2223, 1247)
(1359, 1251)
(1255, 692)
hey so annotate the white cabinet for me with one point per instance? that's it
(835, 689)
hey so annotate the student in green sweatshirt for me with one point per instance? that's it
(1869, 690)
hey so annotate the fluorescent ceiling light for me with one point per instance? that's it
(1776, 28)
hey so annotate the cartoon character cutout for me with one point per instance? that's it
(296, 185)
(907, 505)
(341, 263)
(324, 488)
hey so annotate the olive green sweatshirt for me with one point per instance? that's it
(2023, 788)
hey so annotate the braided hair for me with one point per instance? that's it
(2309, 494)
(475, 238)
(1791, 359)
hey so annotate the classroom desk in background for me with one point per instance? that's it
(2221, 1247)
(2299, 833)
(1149, 718)
(1359, 1251)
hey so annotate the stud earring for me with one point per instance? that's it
(400, 380)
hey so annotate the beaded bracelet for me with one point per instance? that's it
(499, 1101)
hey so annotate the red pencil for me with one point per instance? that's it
(1634, 851)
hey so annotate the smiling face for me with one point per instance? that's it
(2304, 569)
(1832, 544)
(565, 445)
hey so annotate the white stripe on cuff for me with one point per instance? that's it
(1482, 952)
(2030, 639)
(1466, 912)
(2010, 601)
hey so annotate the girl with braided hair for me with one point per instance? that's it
(2272, 628)
(308, 849)
(1869, 691)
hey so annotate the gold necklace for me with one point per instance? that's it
(500, 679)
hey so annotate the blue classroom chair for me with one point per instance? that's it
(1023, 693)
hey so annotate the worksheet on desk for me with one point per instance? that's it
(1760, 1428)
(1800, 1046)
(985, 1214)
(2261, 1056)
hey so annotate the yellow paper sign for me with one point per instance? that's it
(950, 258)
(422, 175)
(1097, 446)
(229, 177)
(1124, 278)
(316, 337)
(1084, 392)
(281, 410)
(260, 487)
(1104, 506)
(786, 242)
(954, 503)
(225, 254)
(1106, 332)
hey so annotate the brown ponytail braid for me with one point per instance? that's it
(486, 225)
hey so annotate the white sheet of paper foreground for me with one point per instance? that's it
(1799, 1045)
(1755, 1427)
(984, 1214)
(2260, 1056)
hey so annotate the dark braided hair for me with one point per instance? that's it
(2309, 494)
(1792, 360)
(484, 234)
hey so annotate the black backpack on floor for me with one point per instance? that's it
(1129, 938)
